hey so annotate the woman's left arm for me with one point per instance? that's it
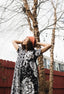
(46, 46)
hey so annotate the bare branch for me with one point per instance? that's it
(56, 4)
(28, 12)
(42, 2)
(35, 7)
(8, 19)
(52, 4)
(10, 3)
(28, 19)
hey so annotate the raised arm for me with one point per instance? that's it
(15, 44)
(46, 46)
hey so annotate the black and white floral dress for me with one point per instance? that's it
(25, 78)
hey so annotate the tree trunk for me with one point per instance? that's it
(35, 30)
(52, 54)
(40, 61)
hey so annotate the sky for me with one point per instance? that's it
(16, 28)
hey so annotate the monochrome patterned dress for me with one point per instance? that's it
(25, 78)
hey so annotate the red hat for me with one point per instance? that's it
(32, 39)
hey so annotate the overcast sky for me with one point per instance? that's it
(17, 28)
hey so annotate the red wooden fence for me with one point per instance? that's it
(58, 84)
(6, 76)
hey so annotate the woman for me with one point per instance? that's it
(25, 79)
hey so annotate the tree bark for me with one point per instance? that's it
(52, 54)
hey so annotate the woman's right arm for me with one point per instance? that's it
(15, 44)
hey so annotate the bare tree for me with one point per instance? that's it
(56, 19)
(16, 7)
(32, 16)
(52, 49)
